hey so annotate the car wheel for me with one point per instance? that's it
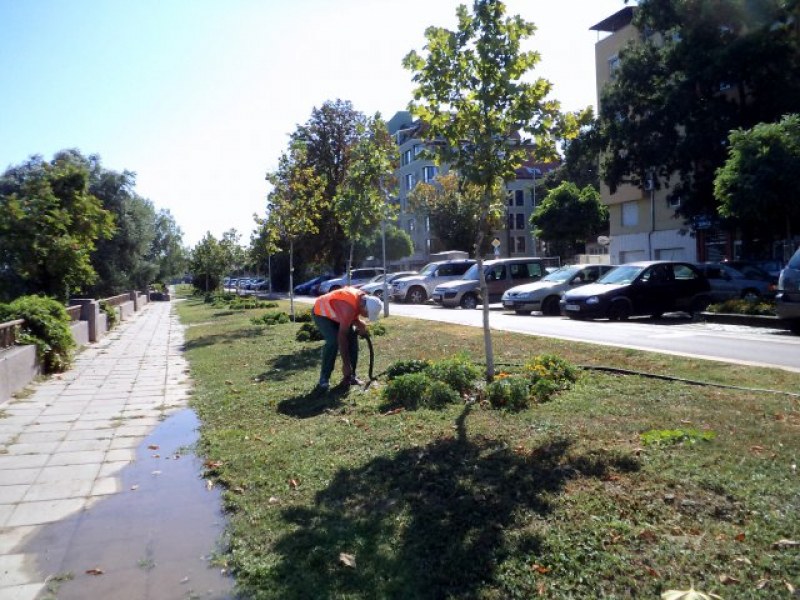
(469, 301)
(619, 311)
(416, 295)
(751, 295)
(523, 312)
(550, 306)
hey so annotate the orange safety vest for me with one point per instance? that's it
(324, 306)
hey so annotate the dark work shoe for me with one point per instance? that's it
(352, 380)
(323, 386)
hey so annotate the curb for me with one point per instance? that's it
(767, 321)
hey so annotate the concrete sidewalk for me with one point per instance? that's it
(64, 452)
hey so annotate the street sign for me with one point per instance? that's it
(701, 222)
(496, 243)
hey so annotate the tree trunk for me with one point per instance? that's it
(291, 278)
(487, 334)
(350, 261)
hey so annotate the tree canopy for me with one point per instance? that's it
(700, 69)
(759, 183)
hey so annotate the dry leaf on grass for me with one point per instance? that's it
(348, 560)
(786, 544)
(690, 594)
(94, 571)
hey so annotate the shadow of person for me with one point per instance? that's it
(313, 403)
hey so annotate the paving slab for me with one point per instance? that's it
(87, 509)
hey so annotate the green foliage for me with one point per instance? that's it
(275, 317)
(663, 437)
(403, 367)
(111, 314)
(438, 395)
(511, 392)
(551, 368)
(208, 262)
(303, 316)
(308, 332)
(407, 390)
(762, 171)
(459, 372)
(46, 326)
(49, 225)
(740, 306)
(376, 329)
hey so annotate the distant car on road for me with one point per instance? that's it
(357, 277)
(787, 300)
(728, 283)
(307, 286)
(375, 285)
(545, 294)
(640, 288)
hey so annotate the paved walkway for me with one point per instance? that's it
(85, 507)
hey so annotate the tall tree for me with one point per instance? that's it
(167, 251)
(361, 200)
(569, 216)
(702, 69)
(758, 184)
(49, 226)
(207, 263)
(293, 203)
(450, 203)
(472, 95)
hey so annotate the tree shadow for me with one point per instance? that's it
(313, 403)
(223, 338)
(428, 522)
(285, 364)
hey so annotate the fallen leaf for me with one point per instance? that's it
(348, 560)
(690, 594)
(273, 500)
(786, 544)
(228, 382)
(739, 537)
(647, 536)
(153, 447)
(540, 569)
(394, 411)
(652, 572)
(762, 583)
(757, 449)
(213, 464)
(742, 560)
(728, 579)
(94, 571)
(294, 484)
(789, 586)
(156, 456)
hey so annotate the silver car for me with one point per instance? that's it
(787, 301)
(375, 285)
(416, 289)
(728, 283)
(357, 277)
(544, 295)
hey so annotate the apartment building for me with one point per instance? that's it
(642, 221)
(515, 238)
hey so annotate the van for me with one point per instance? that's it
(501, 274)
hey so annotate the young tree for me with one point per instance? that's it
(759, 182)
(293, 203)
(49, 226)
(207, 263)
(361, 200)
(471, 94)
(234, 255)
(167, 251)
(568, 216)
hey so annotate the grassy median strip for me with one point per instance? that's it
(621, 486)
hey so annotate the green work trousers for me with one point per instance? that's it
(330, 331)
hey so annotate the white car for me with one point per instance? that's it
(375, 285)
(544, 295)
(358, 277)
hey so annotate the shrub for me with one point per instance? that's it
(308, 332)
(512, 392)
(403, 367)
(407, 390)
(438, 394)
(552, 368)
(274, 317)
(111, 314)
(376, 329)
(458, 372)
(303, 316)
(743, 307)
(46, 326)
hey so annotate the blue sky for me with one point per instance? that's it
(198, 97)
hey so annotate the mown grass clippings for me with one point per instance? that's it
(561, 500)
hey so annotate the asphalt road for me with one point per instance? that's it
(672, 334)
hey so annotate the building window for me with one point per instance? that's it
(519, 197)
(520, 221)
(411, 181)
(418, 148)
(630, 214)
(407, 156)
(428, 173)
(613, 65)
(510, 224)
(674, 201)
(520, 244)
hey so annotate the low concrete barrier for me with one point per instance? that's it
(18, 367)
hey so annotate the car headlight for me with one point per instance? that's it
(592, 300)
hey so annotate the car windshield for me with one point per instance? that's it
(561, 275)
(623, 274)
(428, 269)
(472, 272)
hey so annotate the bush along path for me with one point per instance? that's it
(551, 481)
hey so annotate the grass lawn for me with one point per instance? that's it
(339, 496)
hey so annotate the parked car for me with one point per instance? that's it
(500, 274)
(751, 270)
(375, 285)
(357, 277)
(305, 287)
(416, 289)
(545, 294)
(727, 283)
(640, 288)
(787, 300)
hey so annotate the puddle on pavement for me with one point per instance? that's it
(153, 542)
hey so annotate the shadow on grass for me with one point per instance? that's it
(223, 338)
(285, 364)
(427, 522)
(314, 403)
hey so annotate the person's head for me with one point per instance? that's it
(371, 307)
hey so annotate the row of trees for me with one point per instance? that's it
(71, 227)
